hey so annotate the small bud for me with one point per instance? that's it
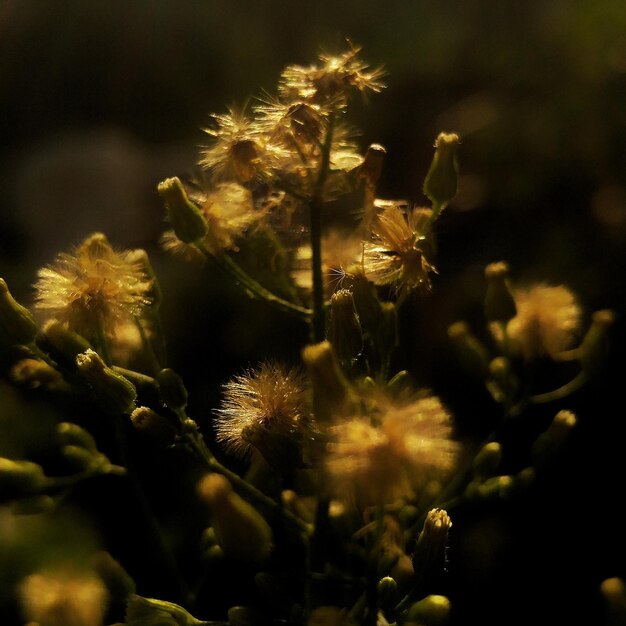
(172, 390)
(17, 325)
(115, 392)
(496, 488)
(240, 529)
(150, 423)
(433, 610)
(73, 434)
(20, 476)
(429, 557)
(344, 331)
(372, 165)
(440, 183)
(472, 353)
(487, 460)
(545, 448)
(499, 303)
(330, 388)
(61, 344)
(399, 382)
(594, 346)
(143, 611)
(387, 592)
(186, 219)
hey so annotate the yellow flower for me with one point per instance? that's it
(263, 408)
(393, 453)
(397, 254)
(331, 80)
(63, 598)
(547, 321)
(94, 289)
(239, 152)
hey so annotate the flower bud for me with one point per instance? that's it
(344, 331)
(487, 460)
(20, 476)
(366, 303)
(372, 165)
(548, 443)
(387, 592)
(172, 390)
(440, 183)
(188, 222)
(594, 346)
(429, 557)
(17, 325)
(499, 303)
(433, 610)
(115, 392)
(240, 529)
(150, 423)
(73, 434)
(148, 611)
(471, 352)
(496, 488)
(61, 344)
(330, 388)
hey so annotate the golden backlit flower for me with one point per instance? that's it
(331, 80)
(261, 408)
(94, 289)
(239, 152)
(398, 251)
(547, 321)
(63, 598)
(393, 456)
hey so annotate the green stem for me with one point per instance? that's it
(240, 276)
(148, 349)
(318, 323)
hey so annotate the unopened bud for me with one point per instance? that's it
(331, 390)
(594, 346)
(433, 610)
(387, 592)
(172, 390)
(548, 443)
(149, 422)
(472, 353)
(372, 165)
(440, 183)
(20, 476)
(496, 488)
(487, 460)
(115, 392)
(143, 611)
(187, 220)
(429, 557)
(73, 434)
(344, 331)
(17, 325)
(241, 530)
(499, 302)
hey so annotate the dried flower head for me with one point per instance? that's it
(93, 289)
(546, 324)
(391, 457)
(261, 405)
(63, 598)
(397, 253)
(239, 152)
(331, 80)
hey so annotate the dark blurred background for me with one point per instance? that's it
(101, 100)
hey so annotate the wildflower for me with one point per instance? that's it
(546, 323)
(63, 597)
(394, 457)
(240, 152)
(331, 80)
(262, 407)
(241, 531)
(94, 289)
(397, 254)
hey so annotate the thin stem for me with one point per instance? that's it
(318, 326)
(240, 276)
(148, 349)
